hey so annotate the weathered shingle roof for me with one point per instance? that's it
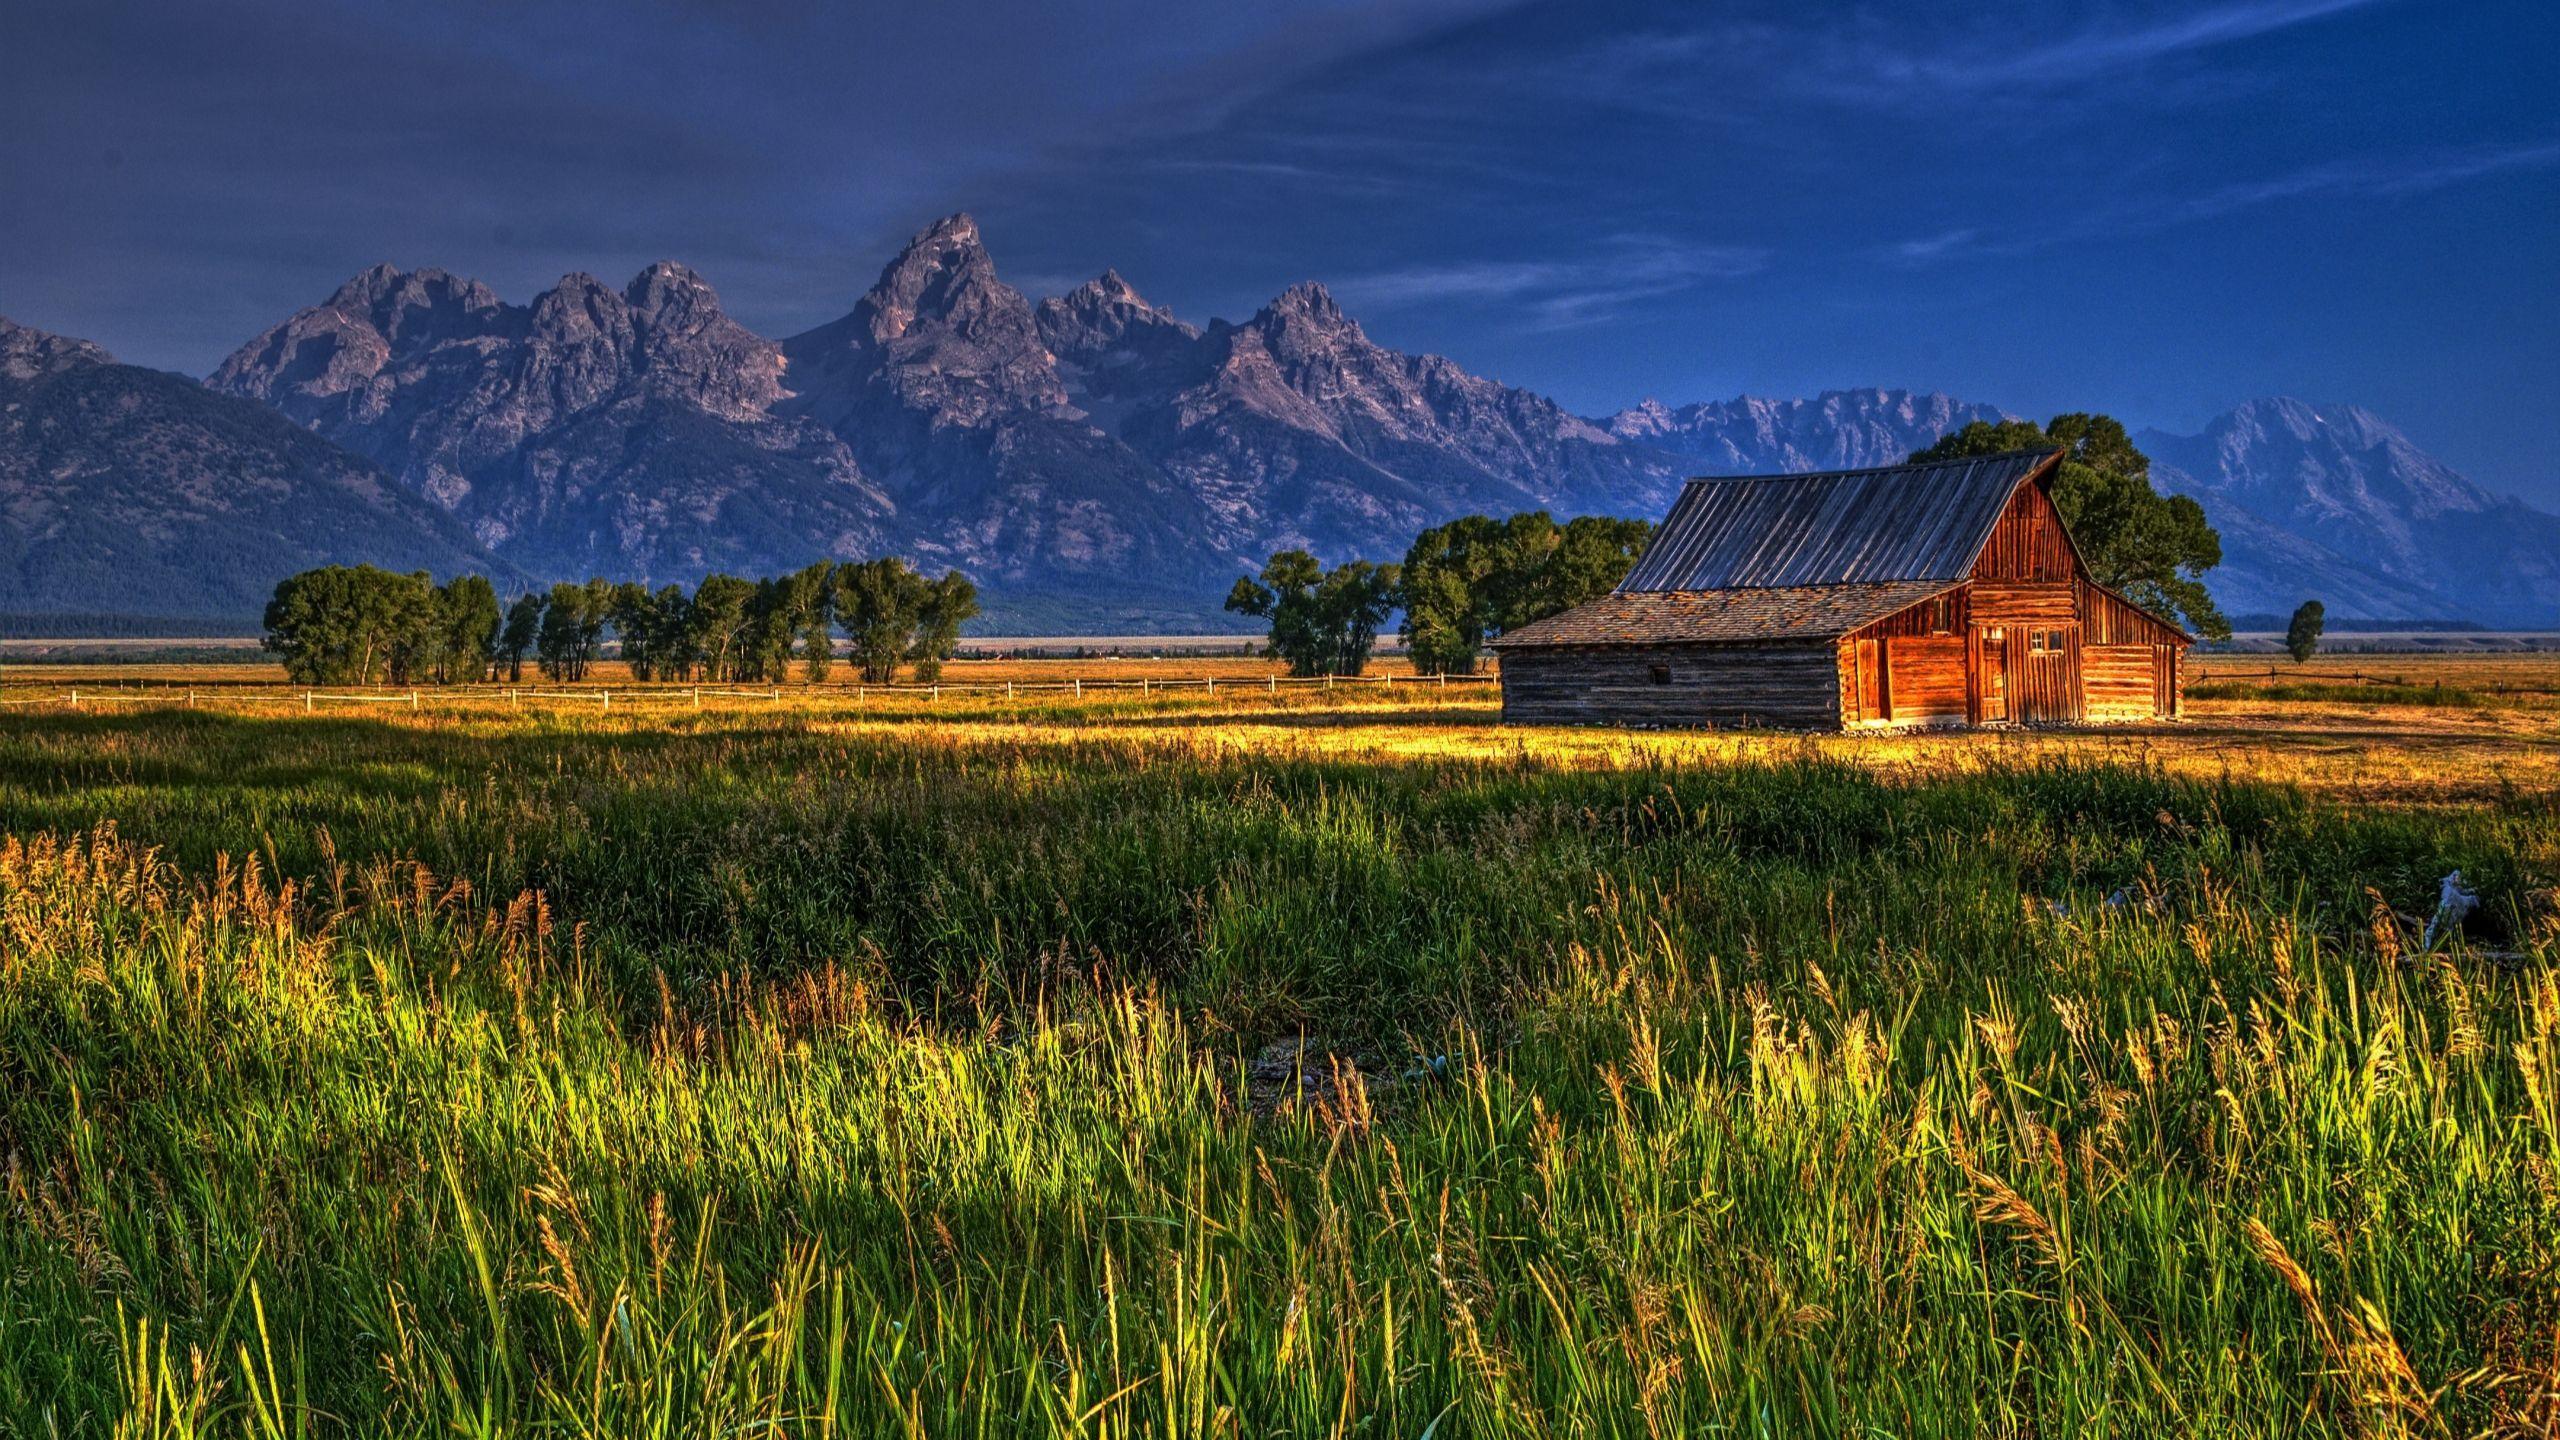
(1901, 523)
(1662, 617)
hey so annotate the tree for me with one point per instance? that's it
(332, 625)
(566, 645)
(2150, 548)
(943, 607)
(720, 606)
(817, 619)
(524, 629)
(1470, 580)
(2302, 637)
(878, 603)
(1323, 622)
(467, 607)
(643, 632)
(348, 625)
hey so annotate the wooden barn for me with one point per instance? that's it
(1938, 594)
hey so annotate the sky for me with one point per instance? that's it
(2155, 208)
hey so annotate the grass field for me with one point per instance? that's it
(1247, 1064)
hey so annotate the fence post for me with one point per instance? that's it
(75, 699)
(1275, 684)
(937, 691)
(1213, 684)
(413, 702)
(1008, 689)
(1328, 682)
(607, 696)
(1145, 686)
(306, 702)
(1079, 687)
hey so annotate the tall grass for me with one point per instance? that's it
(371, 1079)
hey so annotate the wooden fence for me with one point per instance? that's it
(94, 694)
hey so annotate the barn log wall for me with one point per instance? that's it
(1928, 679)
(2119, 682)
(1792, 686)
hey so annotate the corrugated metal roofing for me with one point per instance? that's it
(1659, 617)
(1903, 522)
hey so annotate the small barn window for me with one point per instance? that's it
(1938, 618)
(1661, 674)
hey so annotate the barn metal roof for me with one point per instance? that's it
(1843, 527)
(1665, 617)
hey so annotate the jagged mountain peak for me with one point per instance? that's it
(26, 352)
(1308, 303)
(943, 275)
(392, 299)
(1106, 322)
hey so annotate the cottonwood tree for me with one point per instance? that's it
(948, 604)
(2302, 637)
(890, 613)
(1323, 622)
(523, 630)
(817, 618)
(2150, 548)
(357, 624)
(467, 608)
(574, 621)
(719, 624)
(1466, 582)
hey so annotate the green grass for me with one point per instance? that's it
(733, 1077)
(2445, 697)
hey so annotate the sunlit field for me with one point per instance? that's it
(1272, 1060)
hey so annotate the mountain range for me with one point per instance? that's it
(1094, 461)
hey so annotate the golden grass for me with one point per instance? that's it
(2507, 744)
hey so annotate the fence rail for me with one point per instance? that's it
(605, 698)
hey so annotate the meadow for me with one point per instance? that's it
(1231, 1062)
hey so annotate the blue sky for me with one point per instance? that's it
(2156, 208)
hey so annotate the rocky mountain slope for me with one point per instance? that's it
(133, 492)
(630, 433)
(2332, 502)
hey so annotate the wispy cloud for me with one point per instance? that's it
(2378, 176)
(1867, 59)
(1561, 294)
(2102, 50)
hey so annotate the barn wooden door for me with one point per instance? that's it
(2044, 666)
(1990, 674)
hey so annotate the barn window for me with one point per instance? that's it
(2035, 641)
(1938, 621)
(1661, 674)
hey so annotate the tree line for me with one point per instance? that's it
(1460, 586)
(347, 625)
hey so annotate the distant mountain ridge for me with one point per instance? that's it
(1836, 430)
(2333, 502)
(137, 492)
(1096, 462)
